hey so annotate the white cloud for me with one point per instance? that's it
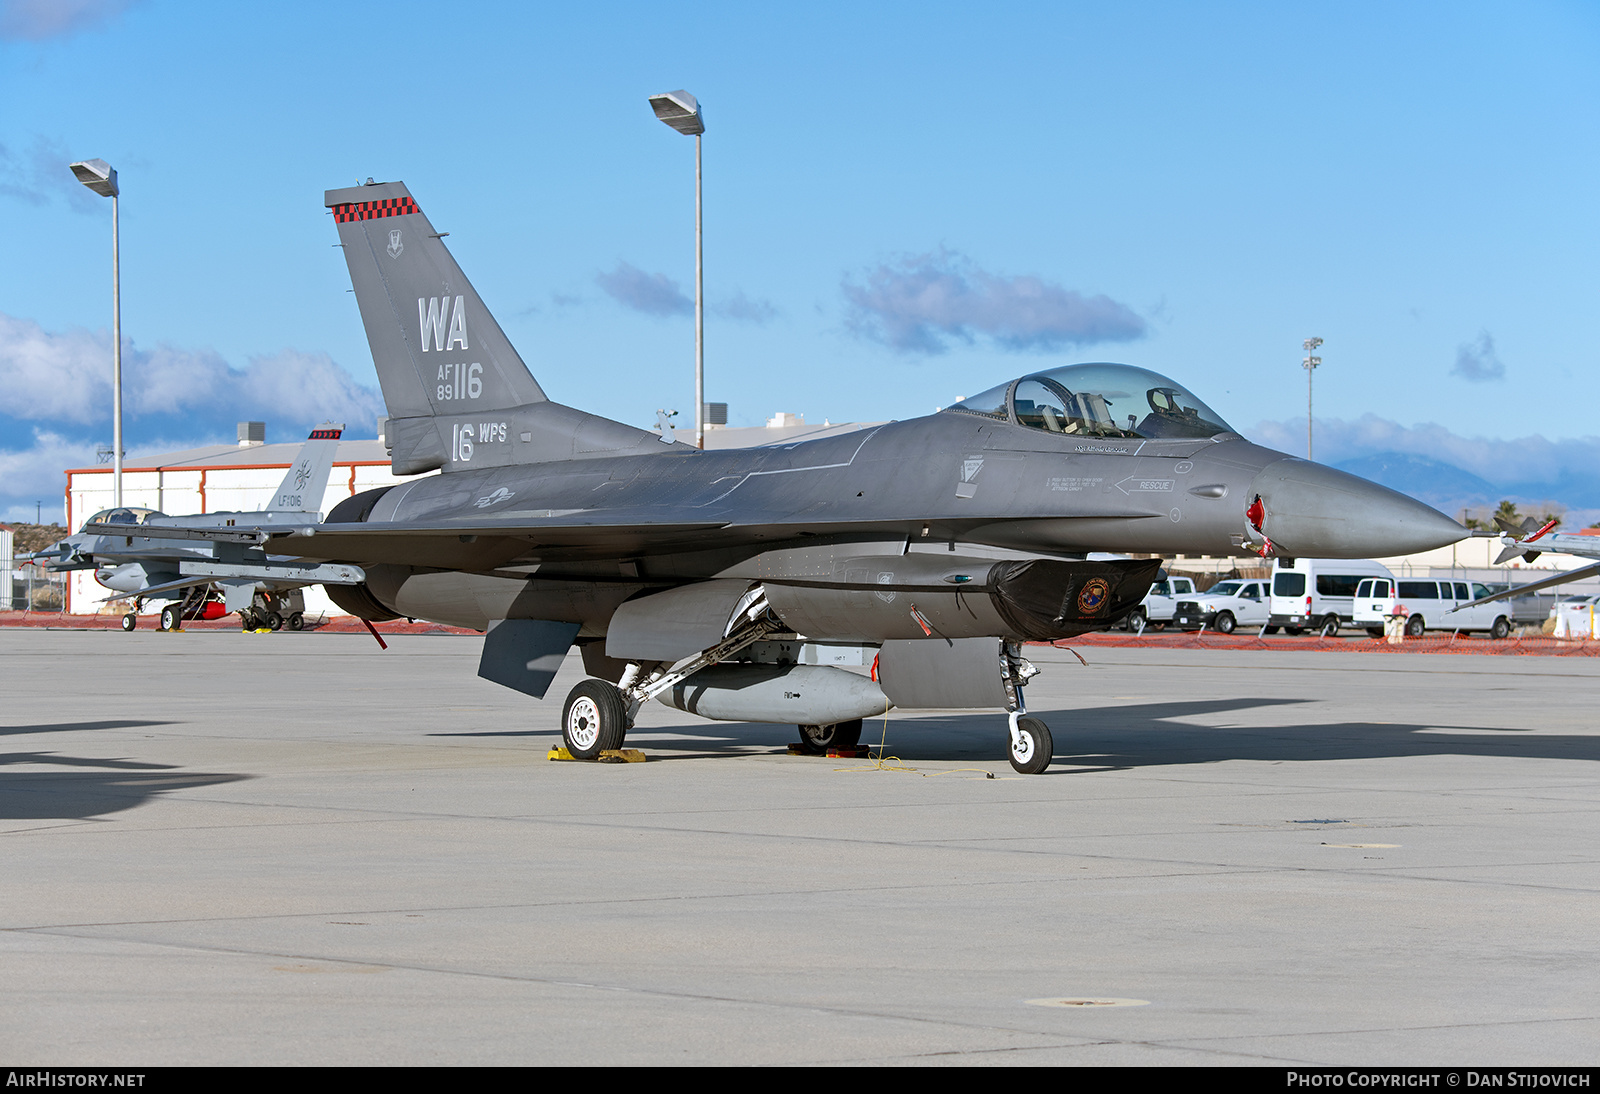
(1477, 360)
(653, 294)
(66, 378)
(36, 20)
(922, 303)
(741, 308)
(37, 472)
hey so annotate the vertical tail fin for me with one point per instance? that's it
(459, 397)
(437, 349)
(303, 487)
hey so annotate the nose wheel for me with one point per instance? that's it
(1031, 746)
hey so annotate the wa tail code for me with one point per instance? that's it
(435, 315)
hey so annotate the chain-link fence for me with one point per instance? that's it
(32, 589)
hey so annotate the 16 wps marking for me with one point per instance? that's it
(463, 436)
(445, 326)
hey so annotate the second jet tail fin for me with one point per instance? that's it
(303, 487)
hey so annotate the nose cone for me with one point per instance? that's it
(1312, 511)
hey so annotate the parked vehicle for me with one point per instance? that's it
(1160, 603)
(1577, 616)
(1226, 606)
(1317, 593)
(1431, 605)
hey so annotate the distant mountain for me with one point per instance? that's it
(1442, 485)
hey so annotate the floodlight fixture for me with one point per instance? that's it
(680, 110)
(97, 175)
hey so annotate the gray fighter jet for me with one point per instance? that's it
(738, 584)
(142, 554)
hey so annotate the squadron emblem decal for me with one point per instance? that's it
(1094, 595)
(395, 246)
(495, 498)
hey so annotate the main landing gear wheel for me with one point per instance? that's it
(1226, 622)
(1032, 750)
(1415, 626)
(816, 740)
(274, 621)
(594, 720)
(296, 622)
(170, 618)
(130, 621)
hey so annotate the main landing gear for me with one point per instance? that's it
(598, 715)
(817, 740)
(594, 720)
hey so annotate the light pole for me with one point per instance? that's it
(1310, 363)
(681, 111)
(101, 177)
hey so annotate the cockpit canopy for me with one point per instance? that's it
(125, 515)
(1099, 400)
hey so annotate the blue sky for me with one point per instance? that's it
(905, 204)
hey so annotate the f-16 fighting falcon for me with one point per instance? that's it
(736, 584)
(141, 554)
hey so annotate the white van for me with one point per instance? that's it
(1430, 605)
(1317, 593)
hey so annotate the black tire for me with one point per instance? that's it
(594, 719)
(1225, 623)
(170, 618)
(1501, 628)
(1296, 631)
(297, 622)
(130, 621)
(1135, 618)
(1269, 629)
(816, 740)
(274, 621)
(1415, 626)
(1330, 626)
(1034, 749)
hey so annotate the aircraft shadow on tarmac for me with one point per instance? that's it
(78, 727)
(1126, 736)
(97, 785)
